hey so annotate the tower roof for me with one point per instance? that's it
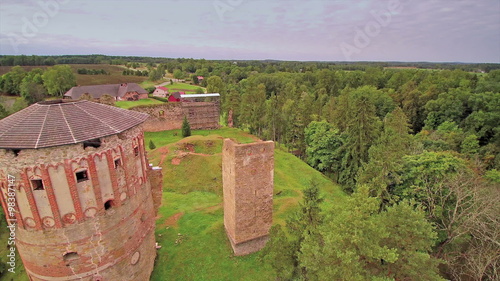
(54, 123)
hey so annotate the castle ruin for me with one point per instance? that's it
(169, 116)
(84, 205)
(248, 183)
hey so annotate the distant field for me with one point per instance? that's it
(129, 104)
(190, 225)
(115, 76)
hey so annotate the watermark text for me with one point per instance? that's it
(11, 223)
(32, 25)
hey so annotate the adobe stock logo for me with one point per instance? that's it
(223, 6)
(363, 37)
(31, 26)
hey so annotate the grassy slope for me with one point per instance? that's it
(195, 246)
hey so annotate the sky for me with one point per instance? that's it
(305, 30)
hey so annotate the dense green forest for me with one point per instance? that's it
(418, 150)
(192, 65)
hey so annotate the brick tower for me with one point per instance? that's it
(248, 182)
(83, 202)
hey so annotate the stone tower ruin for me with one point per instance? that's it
(84, 206)
(248, 183)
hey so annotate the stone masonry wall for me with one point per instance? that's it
(99, 228)
(169, 116)
(248, 183)
(155, 175)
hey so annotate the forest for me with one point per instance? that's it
(418, 150)
(416, 146)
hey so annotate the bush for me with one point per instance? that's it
(151, 145)
(107, 99)
(186, 128)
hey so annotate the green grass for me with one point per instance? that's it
(168, 137)
(195, 246)
(148, 83)
(19, 272)
(130, 104)
(179, 87)
(193, 193)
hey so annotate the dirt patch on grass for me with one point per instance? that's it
(186, 146)
(164, 151)
(172, 221)
(176, 161)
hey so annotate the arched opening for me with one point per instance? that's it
(108, 204)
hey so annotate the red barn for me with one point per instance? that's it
(174, 97)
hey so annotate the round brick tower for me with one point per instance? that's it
(83, 202)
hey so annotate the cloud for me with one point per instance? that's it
(462, 30)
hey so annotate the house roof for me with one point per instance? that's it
(97, 91)
(163, 88)
(176, 95)
(54, 123)
(200, 95)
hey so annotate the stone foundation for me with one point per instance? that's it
(248, 247)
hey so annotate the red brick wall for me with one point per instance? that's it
(107, 241)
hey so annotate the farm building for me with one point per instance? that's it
(175, 97)
(124, 91)
(161, 92)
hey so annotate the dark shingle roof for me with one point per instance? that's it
(56, 123)
(97, 91)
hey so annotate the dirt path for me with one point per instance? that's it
(172, 221)
(164, 151)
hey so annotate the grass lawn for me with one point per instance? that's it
(130, 104)
(148, 83)
(180, 87)
(190, 225)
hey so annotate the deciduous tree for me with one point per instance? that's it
(58, 79)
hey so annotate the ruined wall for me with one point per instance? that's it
(169, 116)
(155, 175)
(248, 183)
(99, 227)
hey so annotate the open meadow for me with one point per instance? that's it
(115, 74)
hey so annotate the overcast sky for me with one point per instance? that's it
(326, 30)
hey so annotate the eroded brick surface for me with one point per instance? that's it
(248, 182)
(169, 116)
(106, 220)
